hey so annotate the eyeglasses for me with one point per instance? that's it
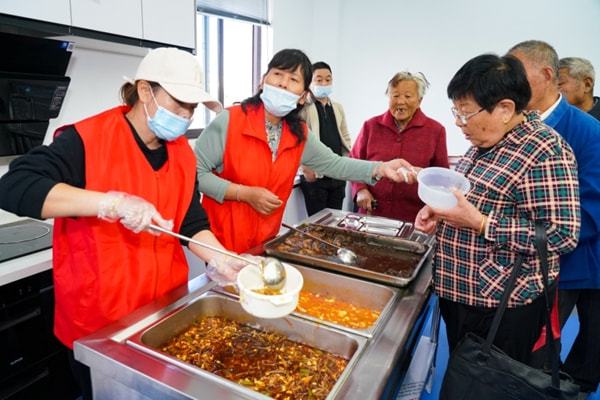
(463, 118)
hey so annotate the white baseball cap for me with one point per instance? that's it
(179, 73)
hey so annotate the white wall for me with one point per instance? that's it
(366, 42)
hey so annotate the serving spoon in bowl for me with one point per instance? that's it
(272, 270)
(347, 256)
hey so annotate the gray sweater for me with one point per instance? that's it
(210, 147)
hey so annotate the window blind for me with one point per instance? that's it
(256, 11)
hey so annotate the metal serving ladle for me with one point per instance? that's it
(272, 270)
(346, 255)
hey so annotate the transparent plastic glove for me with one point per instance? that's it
(224, 270)
(133, 212)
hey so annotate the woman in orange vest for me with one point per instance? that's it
(132, 165)
(249, 155)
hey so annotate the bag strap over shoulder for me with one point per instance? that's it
(541, 244)
(542, 250)
(510, 284)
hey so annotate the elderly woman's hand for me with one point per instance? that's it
(464, 215)
(364, 199)
(426, 220)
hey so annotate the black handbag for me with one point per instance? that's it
(479, 370)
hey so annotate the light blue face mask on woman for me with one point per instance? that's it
(165, 124)
(278, 102)
(321, 92)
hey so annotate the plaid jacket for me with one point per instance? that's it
(530, 174)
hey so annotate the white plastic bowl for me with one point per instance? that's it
(435, 184)
(269, 306)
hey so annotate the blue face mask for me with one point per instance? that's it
(278, 102)
(321, 92)
(165, 124)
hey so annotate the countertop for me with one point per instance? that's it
(22, 267)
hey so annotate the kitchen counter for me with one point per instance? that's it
(22, 267)
(120, 371)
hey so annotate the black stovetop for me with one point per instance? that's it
(24, 237)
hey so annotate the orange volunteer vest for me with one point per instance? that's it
(247, 160)
(102, 270)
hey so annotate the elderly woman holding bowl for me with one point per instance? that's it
(520, 171)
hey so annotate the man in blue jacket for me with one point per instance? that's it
(579, 280)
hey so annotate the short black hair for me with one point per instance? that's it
(321, 65)
(289, 60)
(489, 78)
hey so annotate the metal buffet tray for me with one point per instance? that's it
(343, 221)
(211, 304)
(350, 290)
(373, 225)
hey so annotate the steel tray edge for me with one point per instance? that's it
(269, 248)
(368, 333)
(135, 342)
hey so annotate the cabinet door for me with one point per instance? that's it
(170, 22)
(57, 11)
(119, 17)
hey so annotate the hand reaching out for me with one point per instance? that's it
(398, 170)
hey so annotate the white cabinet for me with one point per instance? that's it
(56, 11)
(172, 22)
(119, 17)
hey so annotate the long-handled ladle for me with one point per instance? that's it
(346, 255)
(272, 270)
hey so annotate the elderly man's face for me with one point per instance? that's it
(572, 88)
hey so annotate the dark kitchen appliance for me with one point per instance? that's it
(33, 364)
(32, 89)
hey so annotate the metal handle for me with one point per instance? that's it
(309, 235)
(201, 244)
(9, 324)
(399, 244)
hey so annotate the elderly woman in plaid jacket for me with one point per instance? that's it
(520, 171)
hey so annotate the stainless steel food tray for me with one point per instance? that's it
(355, 291)
(379, 226)
(211, 304)
(332, 218)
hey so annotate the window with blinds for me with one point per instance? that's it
(256, 11)
(234, 44)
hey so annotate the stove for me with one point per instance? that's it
(24, 237)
